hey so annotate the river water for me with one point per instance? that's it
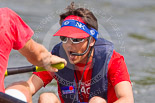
(129, 24)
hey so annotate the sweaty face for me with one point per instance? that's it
(80, 47)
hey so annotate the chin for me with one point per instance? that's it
(74, 62)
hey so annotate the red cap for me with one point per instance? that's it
(70, 31)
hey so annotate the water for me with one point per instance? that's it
(130, 25)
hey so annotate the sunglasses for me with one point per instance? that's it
(73, 40)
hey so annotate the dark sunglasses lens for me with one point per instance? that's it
(76, 40)
(63, 38)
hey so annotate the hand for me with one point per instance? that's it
(54, 60)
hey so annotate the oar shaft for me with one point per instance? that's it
(11, 71)
(17, 70)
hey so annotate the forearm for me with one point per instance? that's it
(35, 53)
(41, 57)
(38, 55)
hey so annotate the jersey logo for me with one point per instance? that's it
(68, 90)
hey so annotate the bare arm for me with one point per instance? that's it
(124, 92)
(38, 55)
(28, 88)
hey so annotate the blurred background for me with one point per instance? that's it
(129, 24)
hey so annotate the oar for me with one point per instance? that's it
(17, 70)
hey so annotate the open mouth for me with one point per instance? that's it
(71, 57)
(71, 52)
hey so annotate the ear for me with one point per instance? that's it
(92, 42)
